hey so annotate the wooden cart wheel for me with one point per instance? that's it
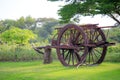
(74, 36)
(96, 54)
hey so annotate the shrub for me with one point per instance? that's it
(18, 53)
(17, 35)
(113, 53)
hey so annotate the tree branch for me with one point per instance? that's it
(113, 17)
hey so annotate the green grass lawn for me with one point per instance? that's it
(35, 70)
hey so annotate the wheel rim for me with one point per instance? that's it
(97, 54)
(72, 35)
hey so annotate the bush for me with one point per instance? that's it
(17, 35)
(22, 53)
(113, 53)
(26, 53)
(18, 53)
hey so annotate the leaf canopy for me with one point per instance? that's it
(89, 8)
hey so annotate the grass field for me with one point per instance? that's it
(35, 70)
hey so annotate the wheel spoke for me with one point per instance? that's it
(89, 58)
(96, 38)
(63, 53)
(93, 34)
(95, 54)
(98, 51)
(78, 57)
(92, 57)
(69, 58)
(90, 34)
(72, 58)
(77, 37)
(67, 55)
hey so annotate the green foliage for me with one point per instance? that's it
(27, 53)
(35, 70)
(1, 27)
(67, 12)
(54, 34)
(114, 35)
(26, 23)
(21, 23)
(46, 30)
(8, 52)
(90, 8)
(29, 22)
(8, 23)
(50, 26)
(18, 53)
(113, 53)
(18, 36)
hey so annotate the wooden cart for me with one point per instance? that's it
(78, 45)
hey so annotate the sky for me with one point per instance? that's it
(14, 9)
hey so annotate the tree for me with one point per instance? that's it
(47, 29)
(2, 28)
(17, 35)
(75, 8)
(8, 23)
(26, 23)
(20, 23)
(49, 26)
(29, 22)
(114, 35)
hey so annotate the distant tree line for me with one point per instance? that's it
(42, 27)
